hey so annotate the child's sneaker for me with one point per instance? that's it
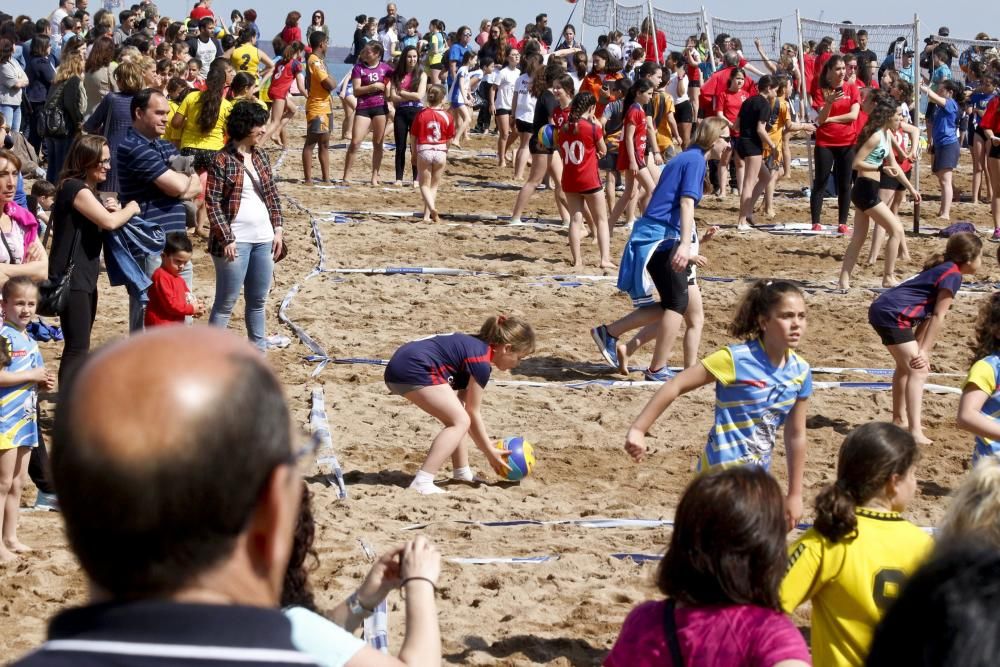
(606, 344)
(662, 375)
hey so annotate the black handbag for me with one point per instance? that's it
(53, 295)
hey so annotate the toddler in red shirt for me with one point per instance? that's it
(170, 300)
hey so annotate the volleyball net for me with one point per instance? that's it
(768, 31)
(969, 51)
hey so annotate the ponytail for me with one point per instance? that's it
(640, 86)
(211, 98)
(582, 103)
(869, 457)
(756, 303)
(961, 249)
(508, 330)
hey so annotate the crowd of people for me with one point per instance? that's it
(137, 132)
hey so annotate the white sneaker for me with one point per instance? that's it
(426, 489)
(744, 227)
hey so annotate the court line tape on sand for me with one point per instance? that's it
(319, 425)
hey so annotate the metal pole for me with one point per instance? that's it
(652, 25)
(583, 27)
(708, 31)
(916, 118)
(804, 92)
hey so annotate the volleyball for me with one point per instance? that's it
(521, 458)
(546, 136)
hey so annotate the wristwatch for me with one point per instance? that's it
(356, 608)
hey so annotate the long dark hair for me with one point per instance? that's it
(640, 86)
(885, 108)
(101, 54)
(828, 66)
(399, 71)
(961, 248)
(544, 76)
(211, 98)
(988, 328)
(296, 590)
(581, 104)
(700, 568)
(869, 456)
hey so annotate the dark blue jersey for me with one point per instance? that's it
(444, 359)
(912, 301)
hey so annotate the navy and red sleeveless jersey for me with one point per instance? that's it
(912, 301)
(444, 359)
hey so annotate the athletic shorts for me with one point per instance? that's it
(372, 112)
(887, 182)
(536, 148)
(980, 132)
(401, 389)
(995, 151)
(945, 157)
(609, 162)
(747, 147)
(432, 153)
(522, 125)
(318, 125)
(894, 335)
(437, 65)
(588, 191)
(684, 112)
(503, 112)
(864, 194)
(670, 285)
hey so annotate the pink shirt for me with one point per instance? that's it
(729, 636)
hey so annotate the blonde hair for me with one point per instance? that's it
(508, 330)
(129, 76)
(71, 65)
(709, 130)
(975, 507)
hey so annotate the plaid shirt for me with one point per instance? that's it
(224, 189)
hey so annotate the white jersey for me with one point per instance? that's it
(525, 110)
(672, 89)
(505, 80)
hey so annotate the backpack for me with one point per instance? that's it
(52, 120)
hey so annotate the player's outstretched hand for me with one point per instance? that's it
(635, 445)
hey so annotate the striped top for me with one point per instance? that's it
(18, 427)
(752, 401)
(984, 375)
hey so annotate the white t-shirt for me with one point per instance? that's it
(55, 20)
(324, 641)
(206, 54)
(630, 46)
(252, 223)
(672, 89)
(525, 100)
(505, 81)
(577, 81)
(615, 50)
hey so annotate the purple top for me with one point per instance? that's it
(368, 76)
(912, 301)
(723, 636)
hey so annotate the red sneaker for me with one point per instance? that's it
(817, 227)
(843, 229)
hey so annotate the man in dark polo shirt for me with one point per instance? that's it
(146, 178)
(181, 509)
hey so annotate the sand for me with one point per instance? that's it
(560, 612)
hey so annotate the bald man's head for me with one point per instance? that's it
(160, 451)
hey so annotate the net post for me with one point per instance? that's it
(652, 25)
(711, 37)
(917, 120)
(804, 92)
(583, 27)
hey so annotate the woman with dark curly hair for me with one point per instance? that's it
(413, 567)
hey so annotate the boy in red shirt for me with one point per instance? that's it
(170, 301)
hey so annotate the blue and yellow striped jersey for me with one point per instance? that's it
(18, 427)
(984, 375)
(752, 401)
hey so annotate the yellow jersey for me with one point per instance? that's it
(782, 117)
(192, 136)
(851, 582)
(662, 105)
(170, 134)
(246, 58)
(318, 101)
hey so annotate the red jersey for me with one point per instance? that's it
(433, 126)
(636, 117)
(693, 74)
(281, 80)
(559, 117)
(660, 48)
(838, 134)
(991, 117)
(717, 83)
(168, 299)
(578, 148)
(729, 104)
(809, 65)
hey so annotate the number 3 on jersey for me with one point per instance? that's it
(434, 128)
(573, 150)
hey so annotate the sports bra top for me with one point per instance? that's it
(879, 153)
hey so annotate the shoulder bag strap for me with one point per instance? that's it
(6, 243)
(670, 631)
(246, 172)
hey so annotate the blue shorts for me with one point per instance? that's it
(945, 157)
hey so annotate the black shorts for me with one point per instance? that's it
(995, 151)
(894, 335)
(694, 83)
(864, 194)
(609, 162)
(670, 285)
(684, 112)
(372, 112)
(536, 148)
(747, 147)
(887, 182)
(502, 112)
(946, 157)
(980, 132)
(522, 125)
(202, 158)
(437, 66)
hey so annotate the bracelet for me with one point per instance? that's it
(356, 608)
(403, 583)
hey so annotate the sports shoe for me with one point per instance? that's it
(661, 375)
(47, 502)
(996, 235)
(843, 229)
(606, 344)
(744, 227)
(817, 227)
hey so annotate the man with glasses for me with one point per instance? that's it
(458, 51)
(544, 31)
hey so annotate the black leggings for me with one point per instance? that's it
(77, 322)
(401, 131)
(837, 159)
(38, 464)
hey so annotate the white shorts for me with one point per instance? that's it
(432, 153)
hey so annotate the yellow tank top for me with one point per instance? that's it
(246, 58)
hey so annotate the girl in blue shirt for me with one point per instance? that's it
(978, 101)
(944, 137)
(979, 408)
(759, 385)
(445, 376)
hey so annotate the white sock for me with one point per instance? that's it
(464, 473)
(423, 482)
